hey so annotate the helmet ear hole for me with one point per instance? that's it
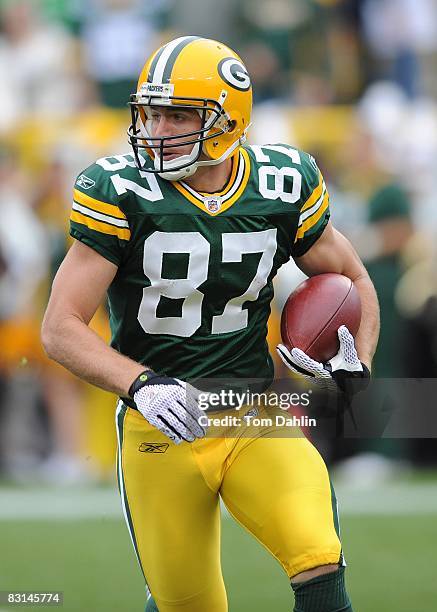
(232, 126)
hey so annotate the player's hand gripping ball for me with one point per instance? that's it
(318, 325)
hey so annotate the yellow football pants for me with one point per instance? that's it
(278, 488)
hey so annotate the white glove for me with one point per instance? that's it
(343, 367)
(170, 405)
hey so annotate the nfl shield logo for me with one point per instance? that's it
(213, 205)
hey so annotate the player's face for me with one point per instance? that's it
(165, 121)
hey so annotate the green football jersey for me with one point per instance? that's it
(192, 294)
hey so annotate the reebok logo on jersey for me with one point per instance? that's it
(85, 182)
(153, 447)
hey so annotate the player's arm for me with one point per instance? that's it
(78, 289)
(332, 252)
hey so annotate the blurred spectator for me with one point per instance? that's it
(36, 66)
(389, 215)
(264, 68)
(390, 218)
(399, 32)
(117, 37)
(276, 34)
(41, 403)
(381, 242)
(23, 265)
(52, 10)
(211, 19)
(22, 240)
(308, 50)
(343, 48)
(416, 298)
(267, 30)
(404, 142)
(383, 111)
(60, 11)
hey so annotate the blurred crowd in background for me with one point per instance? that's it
(354, 82)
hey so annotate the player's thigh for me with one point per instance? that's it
(279, 489)
(173, 518)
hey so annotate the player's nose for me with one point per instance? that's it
(163, 126)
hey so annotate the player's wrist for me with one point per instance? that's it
(366, 363)
(366, 369)
(141, 380)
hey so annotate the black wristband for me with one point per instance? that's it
(352, 382)
(140, 381)
(366, 371)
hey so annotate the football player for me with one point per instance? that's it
(185, 235)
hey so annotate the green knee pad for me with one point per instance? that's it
(325, 593)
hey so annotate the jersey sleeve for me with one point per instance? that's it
(96, 221)
(314, 211)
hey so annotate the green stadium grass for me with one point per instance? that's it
(391, 565)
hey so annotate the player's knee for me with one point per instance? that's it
(211, 598)
(315, 571)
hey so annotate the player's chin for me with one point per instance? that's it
(174, 154)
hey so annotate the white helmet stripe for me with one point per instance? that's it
(167, 58)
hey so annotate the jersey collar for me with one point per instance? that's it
(215, 203)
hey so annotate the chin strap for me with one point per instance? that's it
(177, 175)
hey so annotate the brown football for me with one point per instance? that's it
(314, 312)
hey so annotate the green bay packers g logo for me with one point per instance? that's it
(234, 73)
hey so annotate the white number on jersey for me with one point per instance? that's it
(235, 245)
(121, 162)
(155, 246)
(278, 174)
(153, 194)
(123, 185)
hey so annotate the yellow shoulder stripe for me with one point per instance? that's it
(315, 194)
(99, 226)
(311, 221)
(97, 205)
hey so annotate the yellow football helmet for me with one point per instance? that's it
(197, 73)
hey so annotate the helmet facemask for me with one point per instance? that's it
(214, 123)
